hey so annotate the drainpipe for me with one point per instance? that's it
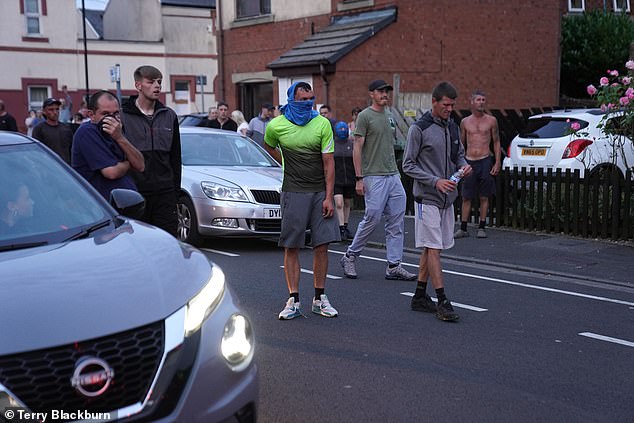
(221, 50)
(322, 71)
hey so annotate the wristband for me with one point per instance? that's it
(358, 178)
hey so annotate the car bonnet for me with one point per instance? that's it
(55, 295)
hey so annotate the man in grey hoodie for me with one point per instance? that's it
(433, 153)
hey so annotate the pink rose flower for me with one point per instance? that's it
(629, 93)
(624, 101)
(604, 108)
(592, 90)
(630, 64)
(604, 81)
(615, 84)
(575, 126)
(614, 73)
(627, 80)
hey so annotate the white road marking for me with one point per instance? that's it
(507, 282)
(328, 276)
(608, 339)
(224, 253)
(541, 288)
(460, 305)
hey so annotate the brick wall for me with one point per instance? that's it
(508, 49)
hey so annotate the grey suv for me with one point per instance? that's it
(106, 318)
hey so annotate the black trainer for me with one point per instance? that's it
(424, 304)
(445, 312)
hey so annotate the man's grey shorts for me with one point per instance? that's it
(433, 227)
(301, 211)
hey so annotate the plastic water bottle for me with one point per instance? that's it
(457, 176)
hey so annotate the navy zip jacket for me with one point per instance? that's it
(158, 139)
(433, 152)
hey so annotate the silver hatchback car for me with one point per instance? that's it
(104, 318)
(230, 187)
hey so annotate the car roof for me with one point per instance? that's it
(205, 130)
(12, 138)
(574, 113)
(200, 115)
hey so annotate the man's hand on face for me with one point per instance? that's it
(111, 125)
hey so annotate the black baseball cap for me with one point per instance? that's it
(379, 84)
(51, 101)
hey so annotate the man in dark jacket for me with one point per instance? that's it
(433, 153)
(7, 122)
(153, 129)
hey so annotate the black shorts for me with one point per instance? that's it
(480, 183)
(346, 190)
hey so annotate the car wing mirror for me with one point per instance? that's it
(127, 202)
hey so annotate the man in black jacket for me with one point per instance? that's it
(7, 122)
(153, 129)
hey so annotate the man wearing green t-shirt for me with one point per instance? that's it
(307, 146)
(378, 180)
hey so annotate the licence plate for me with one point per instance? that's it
(272, 214)
(533, 151)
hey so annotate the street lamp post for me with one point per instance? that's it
(83, 15)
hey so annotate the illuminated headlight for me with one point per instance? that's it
(218, 191)
(199, 307)
(237, 342)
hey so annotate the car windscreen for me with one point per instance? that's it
(215, 149)
(550, 127)
(191, 121)
(41, 201)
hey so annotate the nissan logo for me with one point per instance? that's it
(92, 376)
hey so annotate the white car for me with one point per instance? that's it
(549, 142)
(230, 187)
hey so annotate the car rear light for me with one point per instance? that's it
(576, 147)
(508, 150)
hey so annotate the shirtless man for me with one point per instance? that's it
(477, 131)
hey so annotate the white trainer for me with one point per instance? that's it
(322, 306)
(291, 310)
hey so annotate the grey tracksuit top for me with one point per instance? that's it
(433, 152)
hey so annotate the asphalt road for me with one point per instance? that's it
(529, 347)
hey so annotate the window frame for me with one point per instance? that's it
(32, 15)
(263, 5)
(572, 8)
(615, 4)
(37, 104)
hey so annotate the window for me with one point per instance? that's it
(250, 8)
(181, 97)
(37, 95)
(32, 14)
(621, 5)
(576, 5)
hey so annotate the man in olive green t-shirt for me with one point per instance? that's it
(379, 181)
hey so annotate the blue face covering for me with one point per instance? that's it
(298, 112)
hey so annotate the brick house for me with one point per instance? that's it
(487, 45)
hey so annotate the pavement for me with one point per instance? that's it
(586, 259)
